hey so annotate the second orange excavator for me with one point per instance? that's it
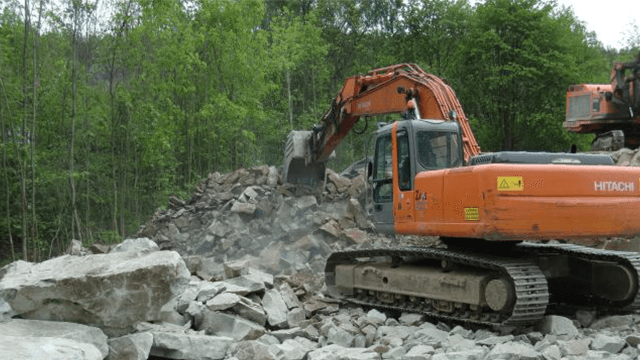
(611, 111)
(428, 177)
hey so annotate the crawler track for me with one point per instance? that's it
(631, 260)
(518, 265)
(530, 285)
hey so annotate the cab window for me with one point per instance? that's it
(383, 170)
(438, 150)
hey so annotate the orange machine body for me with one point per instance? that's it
(512, 202)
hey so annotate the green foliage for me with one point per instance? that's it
(520, 58)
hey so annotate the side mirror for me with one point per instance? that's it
(369, 173)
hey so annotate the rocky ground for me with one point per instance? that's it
(236, 272)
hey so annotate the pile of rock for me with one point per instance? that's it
(626, 157)
(278, 228)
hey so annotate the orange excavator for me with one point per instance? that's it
(428, 177)
(611, 111)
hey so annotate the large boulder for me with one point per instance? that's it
(111, 291)
(31, 329)
(19, 348)
(185, 346)
(131, 347)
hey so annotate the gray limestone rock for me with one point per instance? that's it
(494, 340)
(457, 343)
(113, 290)
(332, 228)
(55, 329)
(306, 202)
(577, 347)
(253, 283)
(289, 296)
(557, 325)
(419, 352)
(218, 228)
(411, 319)
(612, 344)
(337, 352)
(355, 236)
(394, 353)
(290, 350)
(221, 324)
(265, 278)
(513, 350)
(170, 314)
(223, 301)
(369, 332)
(336, 335)
(286, 334)
(131, 347)
(195, 312)
(473, 354)
(431, 336)
(144, 245)
(181, 346)
(459, 330)
(250, 310)
(295, 317)
(376, 317)
(552, 352)
(402, 332)
(633, 339)
(189, 295)
(243, 208)
(268, 339)
(5, 310)
(252, 350)
(615, 321)
(75, 248)
(208, 290)
(236, 268)
(34, 348)
(311, 332)
(275, 308)
(272, 177)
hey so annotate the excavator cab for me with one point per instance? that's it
(420, 145)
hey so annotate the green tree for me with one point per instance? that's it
(519, 59)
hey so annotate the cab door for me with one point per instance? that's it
(382, 212)
(403, 208)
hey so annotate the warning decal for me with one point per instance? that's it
(471, 214)
(510, 183)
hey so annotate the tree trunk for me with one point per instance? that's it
(74, 218)
(6, 175)
(288, 75)
(23, 175)
(34, 224)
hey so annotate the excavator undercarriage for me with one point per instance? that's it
(511, 286)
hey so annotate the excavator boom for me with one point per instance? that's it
(382, 91)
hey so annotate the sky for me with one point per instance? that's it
(607, 18)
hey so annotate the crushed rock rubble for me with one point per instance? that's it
(236, 272)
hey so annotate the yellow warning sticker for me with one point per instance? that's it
(471, 214)
(510, 183)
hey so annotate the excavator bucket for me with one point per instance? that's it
(299, 168)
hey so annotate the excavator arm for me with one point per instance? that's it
(395, 89)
